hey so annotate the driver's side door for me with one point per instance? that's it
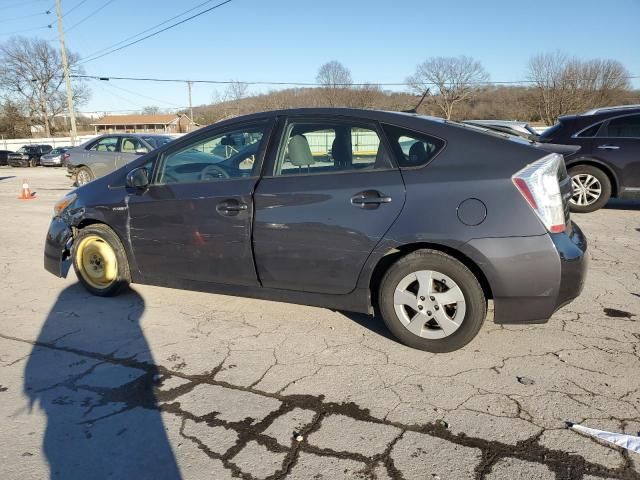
(194, 220)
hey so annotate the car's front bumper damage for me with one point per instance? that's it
(57, 249)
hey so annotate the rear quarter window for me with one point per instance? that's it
(411, 148)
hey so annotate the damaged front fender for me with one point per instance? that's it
(57, 248)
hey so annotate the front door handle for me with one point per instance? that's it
(230, 207)
(609, 147)
(369, 199)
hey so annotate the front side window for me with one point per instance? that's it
(107, 144)
(132, 145)
(413, 149)
(623, 127)
(230, 154)
(326, 147)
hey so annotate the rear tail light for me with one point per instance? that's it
(65, 157)
(538, 184)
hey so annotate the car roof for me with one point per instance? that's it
(369, 114)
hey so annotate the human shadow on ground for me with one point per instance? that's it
(92, 373)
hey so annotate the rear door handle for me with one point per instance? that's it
(609, 147)
(369, 199)
(230, 207)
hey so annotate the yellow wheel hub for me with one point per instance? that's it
(97, 262)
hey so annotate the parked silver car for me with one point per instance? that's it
(104, 154)
(54, 157)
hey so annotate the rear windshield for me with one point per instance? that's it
(549, 132)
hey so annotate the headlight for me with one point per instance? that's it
(64, 202)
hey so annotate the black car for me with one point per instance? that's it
(608, 162)
(418, 219)
(28, 155)
(4, 154)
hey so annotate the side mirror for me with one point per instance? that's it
(138, 178)
(142, 150)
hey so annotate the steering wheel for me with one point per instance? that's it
(213, 171)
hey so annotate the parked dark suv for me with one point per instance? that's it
(416, 218)
(608, 162)
(28, 155)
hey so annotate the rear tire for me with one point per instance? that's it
(32, 163)
(84, 175)
(450, 305)
(100, 261)
(591, 189)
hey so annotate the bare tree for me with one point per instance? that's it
(564, 84)
(31, 73)
(150, 110)
(335, 78)
(236, 91)
(455, 80)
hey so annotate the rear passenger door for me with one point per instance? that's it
(329, 194)
(102, 155)
(618, 142)
(130, 149)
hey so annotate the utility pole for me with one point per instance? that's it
(190, 106)
(65, 69)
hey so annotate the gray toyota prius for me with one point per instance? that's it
(413, 218)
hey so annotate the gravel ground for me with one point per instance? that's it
(161, 383)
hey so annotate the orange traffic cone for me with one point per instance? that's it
(25, 192)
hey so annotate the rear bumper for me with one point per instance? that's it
(50, 163)
(532, 277)
(57, 248)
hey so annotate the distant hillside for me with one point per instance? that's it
(503, 102)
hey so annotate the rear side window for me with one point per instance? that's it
(413, 149)
(591, 131)
(107, 144)
(329, 147)
(623, 127)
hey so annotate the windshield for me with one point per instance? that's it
(26, 149)
(157, 141)
(57, 151)
(548, 133)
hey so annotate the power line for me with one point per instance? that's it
(75, 7)
(84, 19)
(25, 30)
(4, 20)
(303, 84)
(157, 32)
(97, 52)
(20, 4)
(144, 96)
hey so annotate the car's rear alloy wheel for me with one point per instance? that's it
(84, 176)
(586, 189)
(429, 304)
(100, 261)
(591, 188)
(431, 301)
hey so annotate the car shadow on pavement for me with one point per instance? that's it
(372, 323)
(622, 204)
(92, 374)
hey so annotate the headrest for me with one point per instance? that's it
(417, 154)
(300, 152)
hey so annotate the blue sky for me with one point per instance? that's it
(286, 40)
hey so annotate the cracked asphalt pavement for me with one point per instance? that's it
(161, 383)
